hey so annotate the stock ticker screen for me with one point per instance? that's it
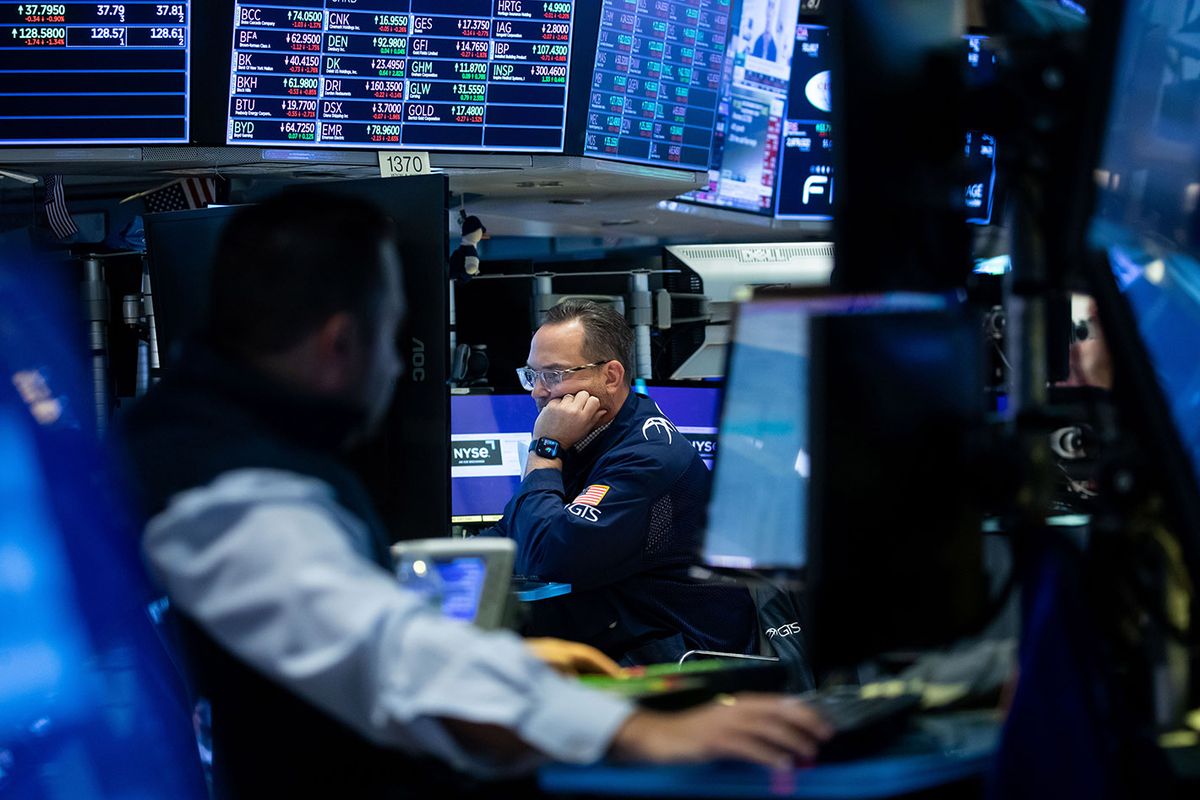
(656, 82)
(437, 74)
(88, 73)
(750, 114)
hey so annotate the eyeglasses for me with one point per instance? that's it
(550, 377)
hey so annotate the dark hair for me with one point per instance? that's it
(286, 265)
(606, 334)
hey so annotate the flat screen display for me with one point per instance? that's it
(88, 73)
(490, 436)
(806, 159)
(805, 188)
(657, 80)
(768, 49)
(759, 511)
(430, 74)
(1147, 214)
(980, 151)
(462, 581)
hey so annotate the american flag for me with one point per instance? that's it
(181, 194)
(56, 209)
(592, 495)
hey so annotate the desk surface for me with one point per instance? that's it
(940, 749)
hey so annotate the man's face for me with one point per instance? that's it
(560, 346)
(382, 366)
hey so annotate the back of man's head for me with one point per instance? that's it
(285, 266)
(606, 334)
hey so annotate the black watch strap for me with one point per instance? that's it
(545, 447)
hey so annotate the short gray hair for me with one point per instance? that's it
(606, 334)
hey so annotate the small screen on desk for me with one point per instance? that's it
(94, 74)
(462, 585)
(439, 74)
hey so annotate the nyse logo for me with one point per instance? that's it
(476, 453)
(705, 443)
(814, 185)
(589, 513)
(790, 629)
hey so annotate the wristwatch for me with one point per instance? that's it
(545, 447)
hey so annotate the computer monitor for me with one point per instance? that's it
(1144, 241)
(180, 247)
(842, 442)
(978, 195)
(776, 157)
(406, 466)
(805, 189)
(657, 80)
(472, 576)
(761, 59)
(758, 515)
(694, 410)
(95, 74)
(490, 435)
(485, 75)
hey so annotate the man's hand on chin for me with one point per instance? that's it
(569, 418)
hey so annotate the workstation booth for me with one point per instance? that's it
(600, 398)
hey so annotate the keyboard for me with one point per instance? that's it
(863, 720)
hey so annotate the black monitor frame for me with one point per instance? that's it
(1139, 397)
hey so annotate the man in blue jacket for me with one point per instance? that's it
(613, 502)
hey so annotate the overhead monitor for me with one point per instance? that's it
(486, 75)
(490, 435)
(806, 157)
(95, 74)
(656, 81)
(805, 173)
(760, 62)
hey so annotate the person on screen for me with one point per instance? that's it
(613, 503)
(325, 675)
(765, 46)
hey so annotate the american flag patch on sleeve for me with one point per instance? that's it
(592, 495)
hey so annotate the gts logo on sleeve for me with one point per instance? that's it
(788, 629)
(583, 511)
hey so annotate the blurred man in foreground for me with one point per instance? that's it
(323, 673)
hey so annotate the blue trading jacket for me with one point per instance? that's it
(623, 523)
